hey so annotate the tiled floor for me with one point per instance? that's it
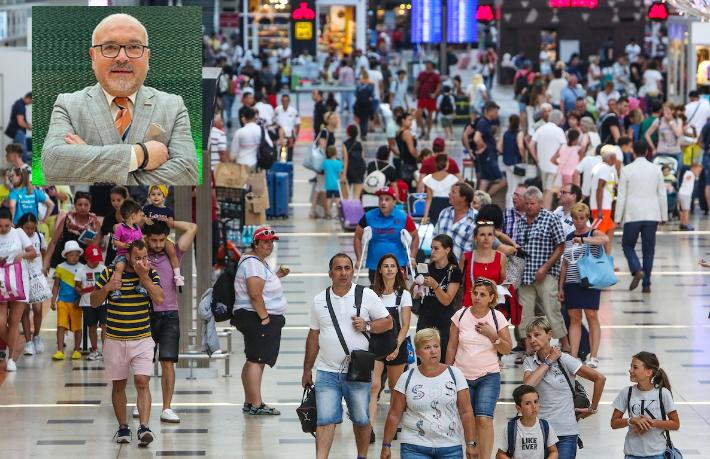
(63, 409)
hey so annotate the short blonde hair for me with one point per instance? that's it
(426, 334)
(580, 209)
(541, 322)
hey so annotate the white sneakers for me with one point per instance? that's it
(30, 348)
(11, 366)
(39, 344)
(135, 413)
(592, 362)
(169, 415)
(95, 355)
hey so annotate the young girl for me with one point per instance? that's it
(157, 210)
(333, 170)
(391, 287)
(568, 156)
(28, 223)
(642, 403)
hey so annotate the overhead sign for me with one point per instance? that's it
(461, 24)
(573, 3)
(426, 21)
(658, 11)
(303, 27)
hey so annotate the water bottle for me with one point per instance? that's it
(245, 235)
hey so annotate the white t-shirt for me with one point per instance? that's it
(632, 51)
(602, 103)
(287, 119)
(38, 242)
(217, 143)
(87, 277)
(687, 185)
(697, 118)
(652, 442)
(432, 416)
(651, 78)
(331, 354)
(607, 173)
(245, 144)
(440, 188)
(265, 113)
(376, 79)
(528, 441)
(554, 90)
(548, 138)
(273, 294)
(585, 168)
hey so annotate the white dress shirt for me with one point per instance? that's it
(642, 193)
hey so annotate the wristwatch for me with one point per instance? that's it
(472, 443)
(368, 327)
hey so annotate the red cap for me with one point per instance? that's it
(93, 254)
(388, 190)
(439, 145)
(265, 233)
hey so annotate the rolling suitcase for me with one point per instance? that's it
(351, 212)
(278, 195)
(286, 167)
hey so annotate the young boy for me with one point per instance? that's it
(333, 169)
(528, 434)
(156, 210)
(446, 105)
(685, 195)
(85, 281)
(65, 299)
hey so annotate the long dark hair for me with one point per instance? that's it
(650, 361)
(379, 285)
(447, 243)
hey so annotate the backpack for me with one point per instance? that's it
(512, 430)
(446, 107)
(266, 154)
(521, 83)
(223, 294)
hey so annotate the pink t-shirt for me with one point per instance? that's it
(568, 159)
(126, 234)
(476, 355)
(161, 264)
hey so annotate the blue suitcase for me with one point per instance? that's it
(278, 195)
(288, 168)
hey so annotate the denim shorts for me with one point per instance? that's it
(409, 451)
(484, 394)
(331, 388)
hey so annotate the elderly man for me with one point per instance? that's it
(641, 204)
(119, 130)
(129, 346)
(543, 240)
(458, 220)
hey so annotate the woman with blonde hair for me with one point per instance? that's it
(590, 136)
(477, 94)
(433, 405)
(477, 335)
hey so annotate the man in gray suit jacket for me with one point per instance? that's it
(118, 130)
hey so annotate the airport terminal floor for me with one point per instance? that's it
(63, 409)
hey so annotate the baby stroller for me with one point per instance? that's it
(671, 183)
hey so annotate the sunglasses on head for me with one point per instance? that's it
(267, 232)
(483, 281)
(484, 223)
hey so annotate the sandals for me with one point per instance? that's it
(263, 410)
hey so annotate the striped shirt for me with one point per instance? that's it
(217, 143)
(128, 317)
(573, 252)
(66, 273)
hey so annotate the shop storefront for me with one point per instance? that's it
(342, 26)
(698, 56)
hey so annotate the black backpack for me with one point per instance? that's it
(512, 430)
(446, 107)
(223, 297)
(266, 154)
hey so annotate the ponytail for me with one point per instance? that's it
(660, 379)
(650, 361)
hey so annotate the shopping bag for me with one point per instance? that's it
(12, 287)
(39, 290)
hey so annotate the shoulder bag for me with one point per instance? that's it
(307, 411)
(313, 160)
(360, 362)
(381, 344)
(596, 272)
(579, 397)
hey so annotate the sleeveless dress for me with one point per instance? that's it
(512, 310)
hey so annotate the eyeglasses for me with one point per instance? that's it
(565, 192)
(112, 50)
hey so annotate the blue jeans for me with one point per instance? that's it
(347, 100)
(331, 388)
(21, 139)
(657, 456)
(567, 447)
(409, 451)
(484, 394)
(227, 101)
(647, 230)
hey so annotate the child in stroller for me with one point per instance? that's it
(669, 167)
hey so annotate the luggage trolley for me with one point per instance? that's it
(232, 205)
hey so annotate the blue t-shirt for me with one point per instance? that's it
(568, 97)
(26, 203)
(485, 127)
(332, 168)
(386, 235)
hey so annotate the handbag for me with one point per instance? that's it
(514, 273)
(596, 272)
(381, 344)
(411, 355)
(39, 290)
(579, 398)
(671, 451)
(313, 160)
(12, 287)
(520, 171)
(360, 362)
(307, 411)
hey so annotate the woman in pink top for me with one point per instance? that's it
(477, 335)
(568, 156)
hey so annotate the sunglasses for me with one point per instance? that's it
(485, 223)
(266, 232)
(483, 281)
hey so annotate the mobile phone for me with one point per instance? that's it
(423, 268)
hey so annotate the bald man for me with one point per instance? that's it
(119, 130)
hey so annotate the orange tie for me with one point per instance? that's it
(123, 117)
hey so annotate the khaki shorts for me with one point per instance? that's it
(551, 181)
(69, 316)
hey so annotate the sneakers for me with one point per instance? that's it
(76, 355)
(29, 348)
(59, 355)
(39, 344)
(94, 355)
(169, 415)
(145, 436)
(122, 435)
(11, 366)
(135, 413)
(592, 362)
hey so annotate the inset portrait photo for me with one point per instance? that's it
(117, 95)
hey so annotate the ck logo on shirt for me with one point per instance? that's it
(642, 408)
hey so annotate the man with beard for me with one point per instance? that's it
(119, 130)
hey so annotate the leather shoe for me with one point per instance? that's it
(638, 275)
(646, 290)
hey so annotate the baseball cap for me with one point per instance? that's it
(93, 254)
(265, 233)
(439, 144)
(388, 190)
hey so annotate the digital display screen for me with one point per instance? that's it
(426, 21)
(461, 24)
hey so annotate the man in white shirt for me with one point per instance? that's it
(554, 89)
(289, 124)
(697, 111)
(632, 50)
(264, 111)
(545, 142)
(603, 97)
(398, 88)
(324, 350)
(641, 204)
(601, 196)
(247, 139)
(361, 63)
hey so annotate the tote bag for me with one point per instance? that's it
(12, 287)
(38, 287)
(596, 272)
(314, 158)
